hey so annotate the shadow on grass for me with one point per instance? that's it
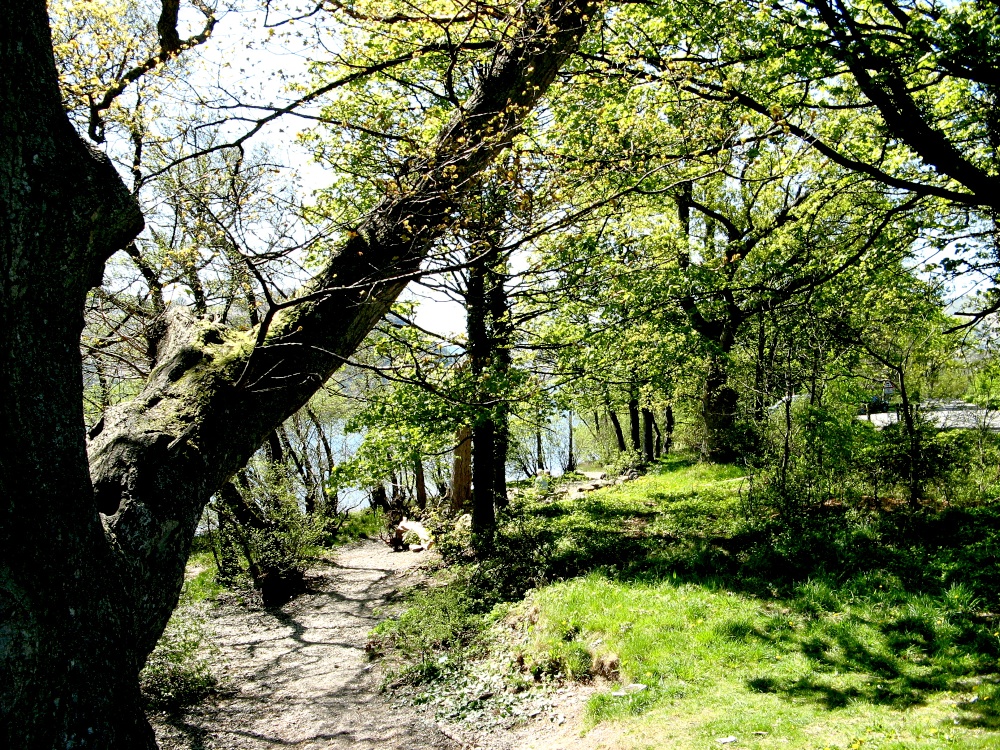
(899, 568)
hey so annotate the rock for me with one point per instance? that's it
(726, 740)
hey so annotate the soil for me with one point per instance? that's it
(298, 677)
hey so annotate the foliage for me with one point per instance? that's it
(177, 672)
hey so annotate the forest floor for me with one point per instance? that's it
(298, 676)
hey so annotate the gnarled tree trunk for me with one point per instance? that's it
(83, 602)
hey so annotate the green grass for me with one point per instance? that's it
(177, 672)
(846, 632)
(365, 524)
(817, 669)
(842, 629)
(200, 583)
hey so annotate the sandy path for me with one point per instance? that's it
(299, 675)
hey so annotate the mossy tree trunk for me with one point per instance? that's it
(83, 600)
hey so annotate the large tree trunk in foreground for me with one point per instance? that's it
(81, 604)
(68, 665)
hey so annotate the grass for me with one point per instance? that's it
(816, 669)
(177, 672)
(364, 524)
(841, 630)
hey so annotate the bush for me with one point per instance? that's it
(625, 462)
(177, 674)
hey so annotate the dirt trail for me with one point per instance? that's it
(299, 675)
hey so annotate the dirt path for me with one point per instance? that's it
(299, 676)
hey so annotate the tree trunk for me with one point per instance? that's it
(914, 481)
(461, 472)
(648, 453)
(83, 602)
(480, 355)
(719, 413)
(483, 475)
(498, 306)
(668, 428)
(420, 482)
(379, 499)
(635, 430)
(619, 435)
(571, 461)
(67, 652)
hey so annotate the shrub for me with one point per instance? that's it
(177, 674)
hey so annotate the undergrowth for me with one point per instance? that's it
(178, 672)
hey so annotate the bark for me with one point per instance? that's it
(914, 481)
(275, 453)
(483, 430)
(82, 603)
(635, 431)
(668, 428)
(69, 671)
(483, 474)
(379, 499)
(571, 461)
(619, 435)
(648, 453)
(719, 401)
(419, 482)
(461, 472)
(498, 305)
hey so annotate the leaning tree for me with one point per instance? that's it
(94, 546)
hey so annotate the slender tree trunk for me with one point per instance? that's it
(461, 472)
(648, 452)
(419, 482)
(913, 454)
(658, 446)
(668, 428)
(635, 429)
(501, 334)
(501, 446)
(760, 375)
(571, 461)
(619, 435)
(275, 453)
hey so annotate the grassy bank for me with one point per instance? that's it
(841, 629)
